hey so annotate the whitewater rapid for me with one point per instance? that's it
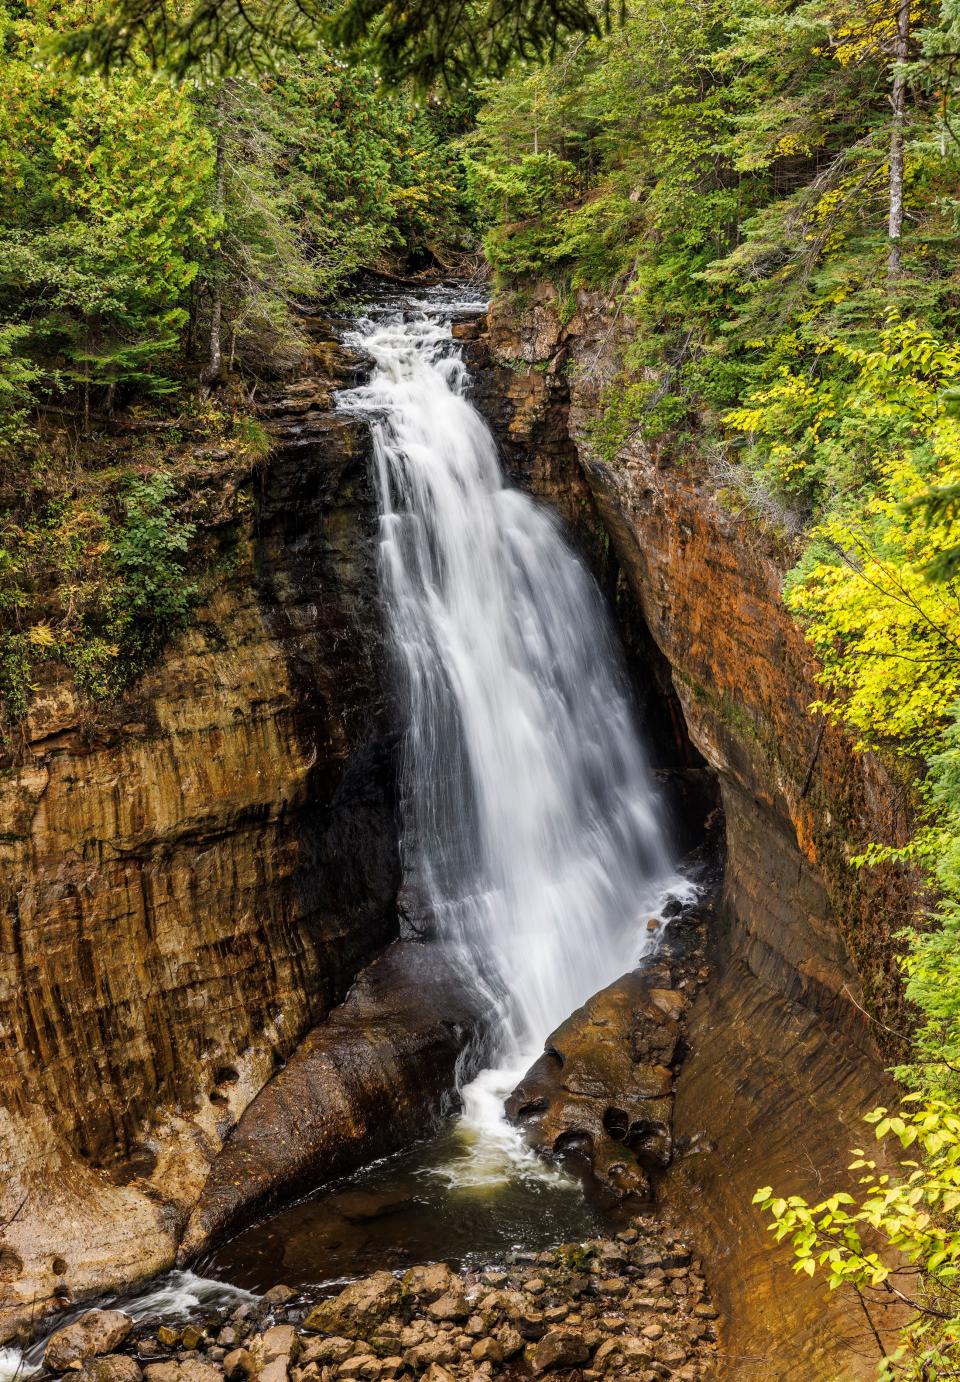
(533, 842)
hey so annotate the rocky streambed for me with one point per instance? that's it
(635, 1305)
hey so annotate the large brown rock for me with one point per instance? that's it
(98, 1331)
(358, 1308)
(369, 1079)
(558, 1350)
(602, 1092)
(115, 1367)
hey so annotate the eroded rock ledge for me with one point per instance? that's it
(601, 1097)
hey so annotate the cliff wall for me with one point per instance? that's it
(189, 885)
(783, 1058)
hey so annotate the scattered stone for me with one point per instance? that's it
(279, 1295)
(361, 1305)
(239, 1363)
(333, 1350)
(431, 1282)
(451, 1306)
(191, 1337)
(168, 1336)
(114, 1367)
(559, 1348)
(487, 1351)
(276, 1370)
(511, 1340)
(96, 1332)
(188, 1370)
(279, 1342)
(436, 1373)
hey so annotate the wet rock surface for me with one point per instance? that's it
(632, 1306)
(602, 1095)
(371, 1078)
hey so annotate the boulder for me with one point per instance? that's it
(279, 1342)
(114, 1367)
(430, 1282)
(96, 1332)
(276, 1370)
(450, 1307)
(487, 1351)
(325, 1351)
(279, 1295)
(602, 1092)
(358, 1307)
(186, 1370)
(559, 1348)
(239, 1363)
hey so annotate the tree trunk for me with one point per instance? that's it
(215, 348)
(898, 101)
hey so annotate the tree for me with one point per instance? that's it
(426, 41)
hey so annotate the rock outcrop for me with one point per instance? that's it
(188, 888)
(601, 1096)
(366, 1082)
(782, 1055)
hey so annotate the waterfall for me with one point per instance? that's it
(532, 833)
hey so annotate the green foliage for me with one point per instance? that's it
(726, 166)
(912, 1212)
(103, 584)
(425, 41)
(118, 234)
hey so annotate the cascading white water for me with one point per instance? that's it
(532, 837)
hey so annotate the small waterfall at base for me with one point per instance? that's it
(532, 838)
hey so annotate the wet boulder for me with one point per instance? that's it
(96, 1332)
(114, 1367)
(601, 1095)
(358, 1307)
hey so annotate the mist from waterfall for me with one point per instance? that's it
(532, 836)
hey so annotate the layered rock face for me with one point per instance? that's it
(782, 1057)
(187, 890)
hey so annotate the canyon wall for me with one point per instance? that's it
(783, 1058)
(189, 884)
